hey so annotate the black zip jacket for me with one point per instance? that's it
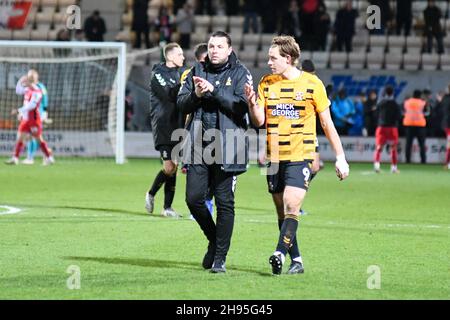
(165, 118)
(225, 109)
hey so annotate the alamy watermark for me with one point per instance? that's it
(374, 279)
(373, 21)
(73, 19)
(74, 280)
(229, 146)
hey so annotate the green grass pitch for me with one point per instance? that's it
(91, 214)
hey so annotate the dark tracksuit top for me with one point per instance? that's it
(165, 117)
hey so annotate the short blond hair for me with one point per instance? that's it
(287, 47)
(169, 47)
(32, 76)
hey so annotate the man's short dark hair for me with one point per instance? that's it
(222, 34)
(389, 90)
(308, 66)
(200, 49)
(417, 94)
(96, 13)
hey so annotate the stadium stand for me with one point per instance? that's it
(396, 44)
(394, 61)
(338, 60)
(357, 59)
(388, 51)
(321, 59)
(430, 61)
(375, 60)
(412, 61)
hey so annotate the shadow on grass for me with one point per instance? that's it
(155, 263)
(105, 210)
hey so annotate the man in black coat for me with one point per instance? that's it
(213, 91)
(165, 119)
(344, 26)
(404, 16)
(432, 15)
(140, 23)
(95, 27)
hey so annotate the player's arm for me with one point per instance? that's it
(32, 104)
(44, 102)
(342, 167)
(187, 100)
(160, 88)
(257, 115)
(322, 105)
(20, 88)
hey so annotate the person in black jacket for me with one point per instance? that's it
(95, 27)
(404, 16)
(432, 15)
(213, 91)
(165, 119)
(344, 26)
(140, 23)
(370, 113)
(389, 117)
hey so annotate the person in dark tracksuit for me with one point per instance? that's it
(165, 118)
(213, 92)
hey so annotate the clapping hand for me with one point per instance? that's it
(250, 94)
(202, 86)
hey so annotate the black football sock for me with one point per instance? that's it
(280, 223)
(157, 183)
(293, 251)
(169, 190)
(287, 233)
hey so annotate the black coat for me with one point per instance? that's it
(140, 16)
(94, 29)
(165, 118)
(432, 16)
(344, 24)
(229, 99)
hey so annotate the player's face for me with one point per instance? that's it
(177, 57)
(218, 50)
(277, 63)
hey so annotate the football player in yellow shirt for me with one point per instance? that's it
(287, 102)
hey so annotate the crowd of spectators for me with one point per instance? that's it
(307, 20)
(358, 116)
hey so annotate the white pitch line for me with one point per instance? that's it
(367, 173)
(389, 225)
(9, 210)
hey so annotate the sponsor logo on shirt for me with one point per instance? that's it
(286, 110)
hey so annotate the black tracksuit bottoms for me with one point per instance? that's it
(411, 133)
(199, 176)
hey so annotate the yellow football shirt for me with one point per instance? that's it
(290, 108)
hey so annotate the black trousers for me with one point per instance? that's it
(223, 183)
(139, 33)
(411, 133)
(344, 40)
